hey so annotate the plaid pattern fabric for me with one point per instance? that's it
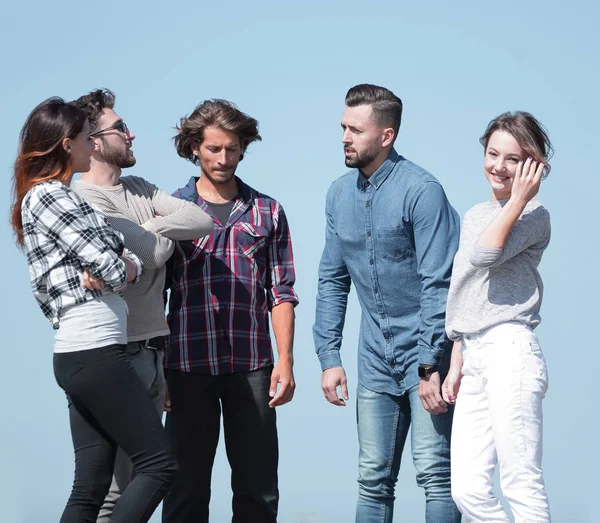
(63, 235)
(223, 286)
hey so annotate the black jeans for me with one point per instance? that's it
(250, 442)
(110, 408)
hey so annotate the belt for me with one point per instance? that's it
(157, 342)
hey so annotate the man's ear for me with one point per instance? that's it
(387, 136)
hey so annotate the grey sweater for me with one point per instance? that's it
(494, 286)
(150, 220)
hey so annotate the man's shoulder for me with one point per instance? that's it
(137, 184)
(415, 173)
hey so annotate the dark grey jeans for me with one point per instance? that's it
(109, 407)
(147, 361)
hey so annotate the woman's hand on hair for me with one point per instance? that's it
(88, 281)
(527, 180)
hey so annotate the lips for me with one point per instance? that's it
(500, 179)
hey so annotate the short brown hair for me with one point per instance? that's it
(529, 133)
(92, 104)
(214, 113)
(386, 106)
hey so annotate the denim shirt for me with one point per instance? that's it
(394, 235)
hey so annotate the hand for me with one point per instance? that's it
(332, 379)
(526, 183)
(452, 384)
(284, 376)
(90, 282)
(131, 269)
(167, 406)
(429, 392)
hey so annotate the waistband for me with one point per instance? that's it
(509, 328)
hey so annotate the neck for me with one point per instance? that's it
(102, 173)
(216, 193)
(368, 171)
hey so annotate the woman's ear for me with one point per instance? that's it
(66, 144)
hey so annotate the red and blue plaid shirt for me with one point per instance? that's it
(223, 286)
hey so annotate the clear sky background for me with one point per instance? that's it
(456, 65)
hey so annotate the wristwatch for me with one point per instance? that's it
(427, 370)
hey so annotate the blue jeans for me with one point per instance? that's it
(383, 421)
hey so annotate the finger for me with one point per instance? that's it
(440, 403)
(519, 170)
(273, 386)
(527, 165)
(539, 172)
(333, 398)
(277, 399)
(344, 387)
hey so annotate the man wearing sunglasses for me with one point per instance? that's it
(150, 221)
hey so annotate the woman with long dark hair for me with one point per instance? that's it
(498, 375)
(78, 265)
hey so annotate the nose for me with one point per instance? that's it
(499, 165)
(130, 135)
(222, 159)
(346, 137)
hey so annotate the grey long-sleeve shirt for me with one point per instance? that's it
(150, 221)
(493, 286)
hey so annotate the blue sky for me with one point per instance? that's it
(456, 65)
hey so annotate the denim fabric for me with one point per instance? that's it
(148, 364)
(383, 423)
(394, 236)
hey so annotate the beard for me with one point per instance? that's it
(121, 159)
(216, 177)
(361, 160)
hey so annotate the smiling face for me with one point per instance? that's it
(113, 146)
(502, 155)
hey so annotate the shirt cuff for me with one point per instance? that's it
(139, 266)
(430, 357)
(330, 359)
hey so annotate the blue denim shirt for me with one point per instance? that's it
(394, 235)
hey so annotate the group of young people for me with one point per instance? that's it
(446, 337)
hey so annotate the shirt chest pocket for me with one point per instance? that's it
(395, 244)
(251, 239)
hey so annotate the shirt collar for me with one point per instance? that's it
(381, 174)
(190, 193)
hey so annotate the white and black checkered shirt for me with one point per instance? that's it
(62, 236)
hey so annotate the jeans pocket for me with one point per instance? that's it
(538, 366)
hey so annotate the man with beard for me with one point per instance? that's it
(151, 221)
(390, 231)
(220, 356)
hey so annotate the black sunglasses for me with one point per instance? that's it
(120, 126)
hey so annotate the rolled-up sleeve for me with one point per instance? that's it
(281, 273)
(79, 230)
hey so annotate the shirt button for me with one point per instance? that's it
(368, 233)
(371, 261)
(367, 204)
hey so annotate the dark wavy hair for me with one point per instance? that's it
(386, 106)
(529, 133)
(41, 156)
(214, 113)
(93, 103)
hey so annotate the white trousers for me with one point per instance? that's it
(498, 419)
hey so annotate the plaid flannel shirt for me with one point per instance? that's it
(62, 236)
(224, 285)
